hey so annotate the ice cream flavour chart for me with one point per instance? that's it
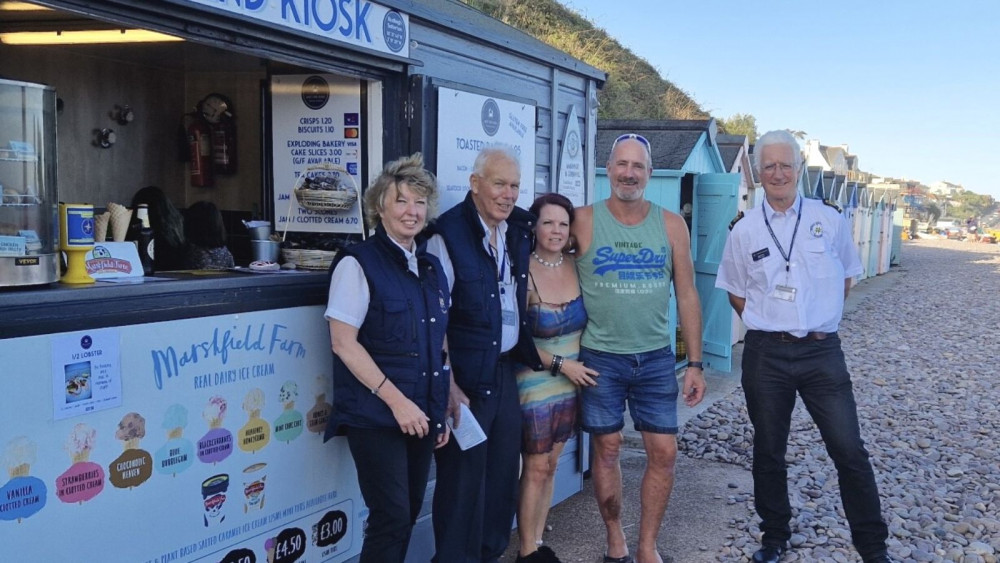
(217, 445)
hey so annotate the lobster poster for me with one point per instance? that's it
(316, 150)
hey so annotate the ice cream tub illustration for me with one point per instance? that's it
(254, 479)
(213, 492)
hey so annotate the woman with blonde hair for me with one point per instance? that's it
(388, 312)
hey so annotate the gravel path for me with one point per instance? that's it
(924, 354)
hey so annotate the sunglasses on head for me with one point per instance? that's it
(633, 136)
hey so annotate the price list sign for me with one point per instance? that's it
(316, 140)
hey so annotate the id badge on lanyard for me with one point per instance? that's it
(785, 293)
(508, 303)
(507, 288)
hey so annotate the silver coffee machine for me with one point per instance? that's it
(29, 245)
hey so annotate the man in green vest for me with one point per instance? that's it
(628, 252)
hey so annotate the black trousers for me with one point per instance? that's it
(773, 372)
(392, 473)
(476, 492)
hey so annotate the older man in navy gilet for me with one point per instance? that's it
(484, 243)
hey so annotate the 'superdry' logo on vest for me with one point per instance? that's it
(630, 262)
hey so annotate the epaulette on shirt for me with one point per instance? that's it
(735, 220)
(832, 204)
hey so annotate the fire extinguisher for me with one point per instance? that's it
(199, 140)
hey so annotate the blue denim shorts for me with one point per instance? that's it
(646, 381)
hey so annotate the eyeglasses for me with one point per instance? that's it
(775, 166)
(632, 136)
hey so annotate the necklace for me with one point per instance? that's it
(546, 263)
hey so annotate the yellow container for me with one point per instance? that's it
(76, 238)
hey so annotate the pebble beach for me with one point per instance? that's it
(924, 354)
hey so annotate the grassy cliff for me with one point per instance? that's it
(634, 88)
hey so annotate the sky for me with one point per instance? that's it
(912, 87)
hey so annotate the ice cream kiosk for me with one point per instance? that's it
(179, 416)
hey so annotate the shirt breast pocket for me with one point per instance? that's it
(821, 262)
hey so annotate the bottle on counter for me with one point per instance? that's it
(145, 240)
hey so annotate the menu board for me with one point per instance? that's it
(316, 140)
(215, 452)
(468, 123)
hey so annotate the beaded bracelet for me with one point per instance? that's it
(557, 362)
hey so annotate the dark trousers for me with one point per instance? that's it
(392, 474)
(773, 372)
(476, 492)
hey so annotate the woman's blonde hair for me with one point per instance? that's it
(407, 170)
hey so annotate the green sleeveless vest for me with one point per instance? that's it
(625, 279)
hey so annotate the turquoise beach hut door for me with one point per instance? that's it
(715, 206)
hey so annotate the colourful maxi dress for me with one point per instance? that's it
(549, 404)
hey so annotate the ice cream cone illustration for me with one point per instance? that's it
(256, 433)
(23, 495)
(84, 479)
(289, 423)
(269, 548)
(134, 466)
(178, 453)
(320, 412)
(217, 444)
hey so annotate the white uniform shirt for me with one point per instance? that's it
(822, 257)
(349, 295)
(507, 286)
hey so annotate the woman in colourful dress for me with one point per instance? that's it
(548, 398)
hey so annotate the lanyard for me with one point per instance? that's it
(787, 257)
(501, 273)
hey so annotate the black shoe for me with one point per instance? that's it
(543, 554)
(879, 559)
(768, 554)
(548, 554)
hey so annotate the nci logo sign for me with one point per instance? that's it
(490, 117)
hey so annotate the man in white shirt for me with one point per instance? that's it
(787, 267)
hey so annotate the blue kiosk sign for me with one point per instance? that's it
(354, 22)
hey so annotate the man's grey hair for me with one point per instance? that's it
(776, 137)
(488, 153)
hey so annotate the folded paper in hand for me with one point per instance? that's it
(468, 433)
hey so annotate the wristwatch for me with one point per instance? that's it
(698, 365)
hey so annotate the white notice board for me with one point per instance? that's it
(468, 123)
(315, 120)
(571, 179)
